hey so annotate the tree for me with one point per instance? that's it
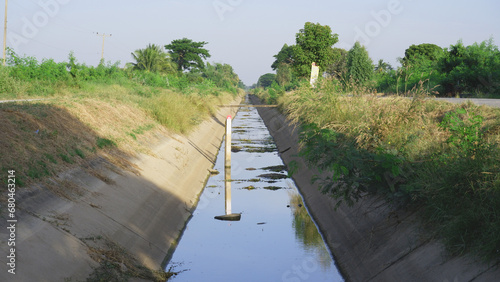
(284, 74)
(153, 59)
(266, 80)
(338, 68)
(222, 75)
(284, 56)
(187, 54)
(471, 68)
(313, 44)
(382, 66)
(415, 54)
(359, 64)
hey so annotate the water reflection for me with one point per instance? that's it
(306, 232)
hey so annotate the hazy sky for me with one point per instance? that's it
(243, 33)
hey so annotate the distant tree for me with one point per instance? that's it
(383, 66)
(284, 56)
(266, 80)
(471, 68)
(359, 64)
(222, 75)
(419, 65)
(187, 54)
(415, 54)
(339, 66)
(153, 59)
(284, 74)
(313, 44)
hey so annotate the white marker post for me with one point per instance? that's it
(227, 165)
(314, 74)
(227, 177)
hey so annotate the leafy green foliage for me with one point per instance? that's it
(26, 76)
(382, 67)
(154, 59)
(284, 56)
(460, 188)
(416, 54)
(359, 64)
(459, 69)
(313, 44)
(338, 68)
(266, 80)
(187, 54)
(284, 75)
(28, 68)
(354, 171)
(222, 76)
(466, 135)
(471, 68)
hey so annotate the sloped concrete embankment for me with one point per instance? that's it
(143, 212)
(370, 241)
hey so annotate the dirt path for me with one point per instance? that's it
(142, 213)
(369, 241)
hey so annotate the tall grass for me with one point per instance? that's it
(443, 158)
(180, 112)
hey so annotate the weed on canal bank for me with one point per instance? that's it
(440, 158)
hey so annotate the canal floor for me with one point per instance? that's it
(275, 240)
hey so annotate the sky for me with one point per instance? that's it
(243, 33)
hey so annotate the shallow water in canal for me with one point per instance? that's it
(275, 240)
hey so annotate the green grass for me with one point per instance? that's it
(38, 170)
(51, 158)
(104, 143)
(79, 153)
(65, 158)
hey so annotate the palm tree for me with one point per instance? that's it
(383, 66)
(153, 59)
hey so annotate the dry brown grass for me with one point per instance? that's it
(43, 138)
(116, 264)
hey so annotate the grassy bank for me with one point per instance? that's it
(438, 158)
(45, 137)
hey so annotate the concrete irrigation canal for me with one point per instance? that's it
(275, 239)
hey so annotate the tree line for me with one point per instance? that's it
(451, 71)
(180, 64)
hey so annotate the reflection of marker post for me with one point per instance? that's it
(227, 164)
(228, 189)
(227, 177)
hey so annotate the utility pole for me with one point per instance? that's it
(104, 35)
(5, 34)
